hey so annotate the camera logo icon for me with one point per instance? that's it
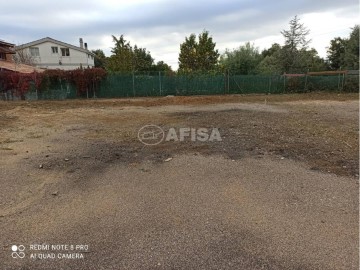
(18, 251)
(151, 135)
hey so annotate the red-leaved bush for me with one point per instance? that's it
(20, 83)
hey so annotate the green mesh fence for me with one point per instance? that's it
(117, 85)
(199, 85)
(325, 83)
(245, 84)
(143, 85)
(351, 83)
(152, 84)
(55, 90)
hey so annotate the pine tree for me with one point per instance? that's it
(295, 42)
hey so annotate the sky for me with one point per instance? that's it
(161, 26)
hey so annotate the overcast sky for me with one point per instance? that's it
(160, 26)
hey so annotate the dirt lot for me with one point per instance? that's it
(280, 191)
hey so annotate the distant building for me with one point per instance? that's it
(7, 63)
(6, 51)
(49, 53)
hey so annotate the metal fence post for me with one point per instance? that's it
(343, 82)
(133, 83)
(160, 81)
(284, 83)
(269, 84)
(228, 82)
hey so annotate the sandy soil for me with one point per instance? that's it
(280, 191)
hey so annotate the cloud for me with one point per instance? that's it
(161, 25)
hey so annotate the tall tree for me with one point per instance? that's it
(198, 55)
(122, 56)
(126, 58)
(207, 55)
(296, 36)
(295, 42)
(188, 54)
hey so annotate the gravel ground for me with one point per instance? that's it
(280, 191)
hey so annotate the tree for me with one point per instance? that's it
(142, 60)
(162, 67)
(23, 56)
(336, 53)
(270, 65)
(275, 48)
(122, 56)
(312, 61)
(352, 50)
(296, 36)
(188, 54)
(243, 60)
(343, 53)
(125, 58)
(207, 56)
(295, 41)
(100, 58)
(271, 62)
(198, 55)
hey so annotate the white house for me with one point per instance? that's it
(49, 53)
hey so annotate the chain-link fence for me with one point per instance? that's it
(152, 84)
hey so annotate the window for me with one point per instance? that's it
(54, 49)
(34, 51)
(2, 56)
(65, 51)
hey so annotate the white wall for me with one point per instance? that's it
(50, 60)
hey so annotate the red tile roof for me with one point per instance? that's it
(6, 50)
(22, 68)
